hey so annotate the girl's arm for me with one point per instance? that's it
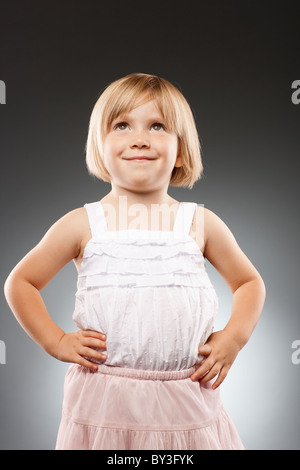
(248, 289)
(62, 243)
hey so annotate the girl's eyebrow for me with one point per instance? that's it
(125, 117)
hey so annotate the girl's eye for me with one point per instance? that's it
(158, 126)
(121, 126)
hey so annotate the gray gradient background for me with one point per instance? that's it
(235, 62)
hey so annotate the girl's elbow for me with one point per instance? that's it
(9, 285)
(260, 289)
(12, 285)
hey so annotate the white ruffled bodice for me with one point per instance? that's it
(148, 291)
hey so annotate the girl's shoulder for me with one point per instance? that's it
(203, 219)
(208, 227)
(61, 243)
(77, 221)
(81, 225)
(70, 234)
(71, 230)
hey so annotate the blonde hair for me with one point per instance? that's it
(123, 95)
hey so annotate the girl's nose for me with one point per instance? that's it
(140, 140)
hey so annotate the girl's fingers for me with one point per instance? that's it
(202, 371)
(94, 343)
(210, 374)
(93, 334)
(93, 339)
(223, 373)
(85, 363)
(88, 352)
(204, 350)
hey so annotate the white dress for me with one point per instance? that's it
(148, 291)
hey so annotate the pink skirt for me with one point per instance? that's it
(129, 409)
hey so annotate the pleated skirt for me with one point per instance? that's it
(129, 409)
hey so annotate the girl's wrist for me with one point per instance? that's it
(236, 336)
(52, 347)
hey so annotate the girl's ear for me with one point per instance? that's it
(179, 161)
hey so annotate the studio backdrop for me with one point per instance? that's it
(237, 63)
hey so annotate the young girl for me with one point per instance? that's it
(146, 364)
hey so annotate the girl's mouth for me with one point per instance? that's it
(140, 159)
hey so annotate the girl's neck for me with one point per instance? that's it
(114, 197)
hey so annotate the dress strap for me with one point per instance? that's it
(184, 217)
(96, 218)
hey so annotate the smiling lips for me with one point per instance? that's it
(140, 159)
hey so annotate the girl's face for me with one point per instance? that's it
(139, 151)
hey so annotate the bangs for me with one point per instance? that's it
(135, 92)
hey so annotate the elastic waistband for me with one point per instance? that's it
(147, 374)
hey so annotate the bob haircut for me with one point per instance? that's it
(123, 95)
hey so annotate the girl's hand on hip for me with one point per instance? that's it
(79, 346)
(220, 351)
